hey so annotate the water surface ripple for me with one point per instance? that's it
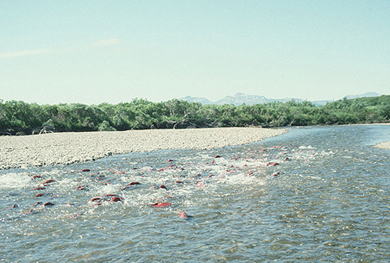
(313, 194)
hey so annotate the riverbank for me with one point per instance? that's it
(383, 145)
(68, 148)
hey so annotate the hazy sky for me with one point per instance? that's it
(114, 51)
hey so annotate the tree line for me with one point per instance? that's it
(18, 117)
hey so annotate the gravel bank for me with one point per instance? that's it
(67, 148)
(383, 145)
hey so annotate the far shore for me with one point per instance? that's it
(383, 145)
(68, 148)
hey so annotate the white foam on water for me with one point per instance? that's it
(309, 147)
(244, 179)
(14, 181)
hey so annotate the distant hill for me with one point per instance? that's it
(238, 99)
(241, 98)
(364, 95)
(201, 100)
(321, 102)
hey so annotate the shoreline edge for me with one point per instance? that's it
(74, 147)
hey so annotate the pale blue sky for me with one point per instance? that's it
(114, 51)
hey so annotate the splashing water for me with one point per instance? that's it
(289, 197)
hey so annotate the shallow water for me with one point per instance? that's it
(326, 200)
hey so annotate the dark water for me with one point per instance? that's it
(328, 201)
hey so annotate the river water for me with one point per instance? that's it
(312, 194)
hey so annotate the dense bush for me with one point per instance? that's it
(18, 117)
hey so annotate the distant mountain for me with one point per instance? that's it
(201, 100)
(321, 102)
(238, 99)
(364, 95)
(241, 98)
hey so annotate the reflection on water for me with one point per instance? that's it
(316, 193)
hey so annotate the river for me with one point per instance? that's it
(312, 194)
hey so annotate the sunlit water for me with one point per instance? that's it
(327, 199)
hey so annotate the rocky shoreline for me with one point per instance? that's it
(383, 145)
(68, 148)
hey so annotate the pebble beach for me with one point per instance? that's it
(68, 148)
(383, 145)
